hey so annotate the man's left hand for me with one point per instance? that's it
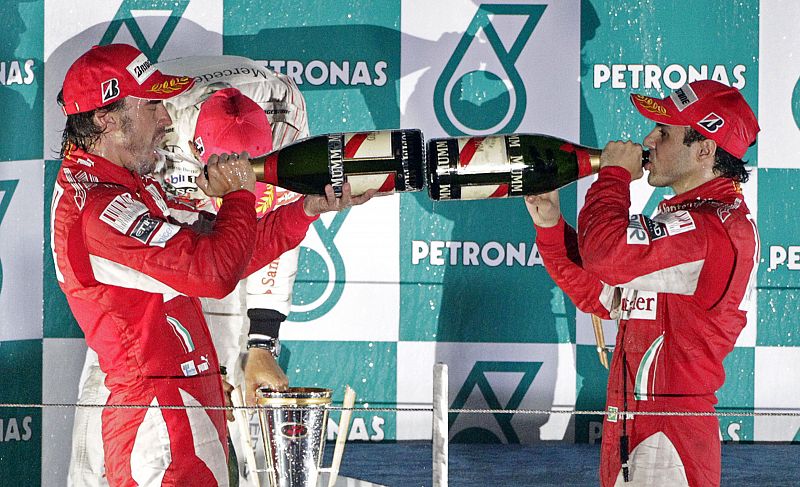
(318, 204)
(227, 388)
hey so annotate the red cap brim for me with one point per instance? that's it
(164, 86)
(658, 110)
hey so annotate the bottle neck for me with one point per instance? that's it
(594, 160)
(259, 167)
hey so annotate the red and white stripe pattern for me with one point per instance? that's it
(480, 155)
(369, 145)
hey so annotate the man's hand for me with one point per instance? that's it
(623, 154)
(227, 388)
(318, 204)
(261, 370)
(545, 209)
(227, 173)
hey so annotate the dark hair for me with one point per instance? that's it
(80, 130)
(725, 164)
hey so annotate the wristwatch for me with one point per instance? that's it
(273, 345)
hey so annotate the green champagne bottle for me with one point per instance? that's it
(388, 161)
(499, 166)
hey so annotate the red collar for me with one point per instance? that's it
(105, 170)
(718, 189)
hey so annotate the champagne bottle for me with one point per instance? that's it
(499, 166)
(387, 160)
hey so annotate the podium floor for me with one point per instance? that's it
(408, 464)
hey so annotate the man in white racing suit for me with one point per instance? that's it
(249, 354)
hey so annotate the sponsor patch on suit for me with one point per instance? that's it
(643, 230)
(122, 212)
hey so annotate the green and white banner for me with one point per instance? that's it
(386, 290)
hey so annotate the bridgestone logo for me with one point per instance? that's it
(141, 68)
(683, 97)
(110, 89)
(712, 122)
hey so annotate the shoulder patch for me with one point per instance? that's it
(122, 212)
(642, 230)
(676, 222)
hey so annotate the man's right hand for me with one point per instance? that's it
(545, 209)
(227, 173)
(623, 154)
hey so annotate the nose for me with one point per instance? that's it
(163, 116)
(651, 138)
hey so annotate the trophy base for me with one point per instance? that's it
(342, 481)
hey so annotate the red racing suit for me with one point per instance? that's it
(130, 273)
(679, 284)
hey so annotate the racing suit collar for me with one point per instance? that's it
(718, 189)
(106, 170)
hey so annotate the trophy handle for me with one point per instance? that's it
(243, 422)
(341, 437)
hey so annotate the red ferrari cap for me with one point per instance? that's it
(105, 74)
(714, 109)
(231, 122)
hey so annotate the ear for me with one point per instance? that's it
(705, 150)
(107, 121)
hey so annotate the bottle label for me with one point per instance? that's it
(368, 145)
(482, 155)
(487, 155)
(443, 168)
(483, 191)
(361, 183)
(405, 164)
(335, 162)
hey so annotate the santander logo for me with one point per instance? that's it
(638, 304)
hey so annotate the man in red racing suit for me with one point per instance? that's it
(679, 283)
(132, 272)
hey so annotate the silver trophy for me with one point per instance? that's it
(293, 429)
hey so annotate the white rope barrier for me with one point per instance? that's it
(794, 413)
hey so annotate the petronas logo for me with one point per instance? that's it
(7, 189)
(126, 15)
(321, 282)
(796, 103)
(478, 379)
(480, 91)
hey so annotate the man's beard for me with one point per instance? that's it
(146, 161)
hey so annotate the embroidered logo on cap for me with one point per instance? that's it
(198, 143)
(110, 89)
(141, 68)
(711, 122)
(683, 97)
(651, 105)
